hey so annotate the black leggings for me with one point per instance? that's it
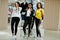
(37, 22)
(15, 20)
(27, 22)
(32, 24)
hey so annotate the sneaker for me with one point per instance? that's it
(14, 36)
(38, 38)
(30, 38)
(25, 36)
(41, 38)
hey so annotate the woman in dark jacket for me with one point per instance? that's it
(28, 21)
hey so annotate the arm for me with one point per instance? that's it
(43, 12)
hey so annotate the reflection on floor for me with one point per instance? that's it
(51, 35)
(46, 35)
(6, 35)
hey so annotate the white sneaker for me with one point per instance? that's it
(30, 38)
(25, 36)
(14, 36)
(41, 38)
(38, 38)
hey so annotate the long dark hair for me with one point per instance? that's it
(17, 3)
(31, 4)
(40, 5)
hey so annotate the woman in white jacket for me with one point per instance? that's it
(16, 17)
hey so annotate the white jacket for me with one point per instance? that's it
(16, 13)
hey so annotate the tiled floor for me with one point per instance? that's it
(46, 34)
(51, 35)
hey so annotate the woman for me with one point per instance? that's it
(28, 20)
(38, 17)
(16, 17)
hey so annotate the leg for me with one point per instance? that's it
(37, 21)
(38, 28)
(12, 25)
(24, 27)
(32, 24)
(29, 27)
(16, 24)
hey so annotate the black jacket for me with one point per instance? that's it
(24, 6)
(32, 13)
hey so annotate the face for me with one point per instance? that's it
(30, 6)
(39, 6)
(17, 5)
